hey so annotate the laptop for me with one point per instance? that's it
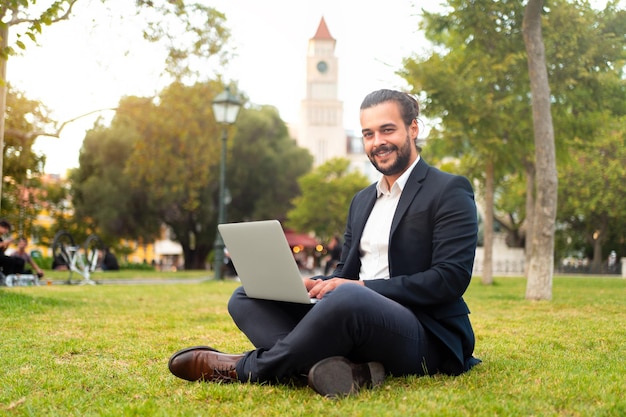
(264, 261)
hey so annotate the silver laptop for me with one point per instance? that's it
(264, 261)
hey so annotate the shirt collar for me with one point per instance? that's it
(381, 186)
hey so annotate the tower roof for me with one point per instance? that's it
(322, 31)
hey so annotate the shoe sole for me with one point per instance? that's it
(337, 376)
(180, 352)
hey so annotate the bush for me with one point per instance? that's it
(44, 262)
(137, 266)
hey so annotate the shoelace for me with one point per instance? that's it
(226, 375)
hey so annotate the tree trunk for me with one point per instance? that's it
(487, 277)
(596, 262)
(598, 238)
(541, 266)
(530, 213)
(195, 259)
(4, 43)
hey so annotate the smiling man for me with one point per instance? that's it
(394, 304)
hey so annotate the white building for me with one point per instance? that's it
(321, 129)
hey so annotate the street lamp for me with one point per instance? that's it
(225, 109)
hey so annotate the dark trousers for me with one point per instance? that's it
(351, 321)
(11, 265)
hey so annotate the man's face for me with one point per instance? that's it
(3, 230)
(387, 142)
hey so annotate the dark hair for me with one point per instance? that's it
(409, 107)
(5, 224)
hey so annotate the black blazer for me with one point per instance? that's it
(431, 255)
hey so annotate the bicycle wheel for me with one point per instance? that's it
(93, 249)
(62, 248)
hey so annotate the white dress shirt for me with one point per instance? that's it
(374, 243)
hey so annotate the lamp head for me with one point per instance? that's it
(226, 107)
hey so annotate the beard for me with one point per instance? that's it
(403, 156)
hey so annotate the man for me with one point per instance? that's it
(109, 261)
(393, 305)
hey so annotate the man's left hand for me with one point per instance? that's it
(318, 288)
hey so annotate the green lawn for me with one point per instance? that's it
(59, 277)
(103, 350)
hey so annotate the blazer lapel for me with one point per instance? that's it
(362, 209)
(363, 213)
(409, 192)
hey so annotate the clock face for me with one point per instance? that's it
(322, 67)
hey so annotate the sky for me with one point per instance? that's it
(92, 60)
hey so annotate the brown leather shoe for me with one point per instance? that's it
(203, 363)
(337, 376)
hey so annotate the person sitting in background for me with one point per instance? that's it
(21, 253)
(8, 264)
(334, 254)
(109, 261)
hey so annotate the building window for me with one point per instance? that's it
(322, 150)
(355, 144)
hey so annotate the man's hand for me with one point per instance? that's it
(317, 287)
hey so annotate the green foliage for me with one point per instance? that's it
(158, 163)
(103, 351)
(135, 266)
(22, 167)
(592, 193)
(57, 207)
(194, 35)
(326, 195)
(263, 167)
(26, 12)
(44, 262)
(103, 196)
(586, 67)
(475, 83)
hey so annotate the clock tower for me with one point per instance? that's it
(321, 113)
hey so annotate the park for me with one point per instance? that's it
(524, 101)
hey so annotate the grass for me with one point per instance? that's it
(60, 277)
(103, 351)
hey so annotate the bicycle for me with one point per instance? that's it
(80, 259)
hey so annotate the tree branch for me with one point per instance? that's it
(16, 133)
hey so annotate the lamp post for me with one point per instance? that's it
(225, 109)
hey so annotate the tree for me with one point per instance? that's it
(263, 168)
(541, 266)
(11, 14)
(22, 167)
(103, 195)
(159, 159)
(592, 191)
(587, 87)
(474, 83)
(175, 161)
(56, 205)
(326, 195)
(192, 33)
(586, 68)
